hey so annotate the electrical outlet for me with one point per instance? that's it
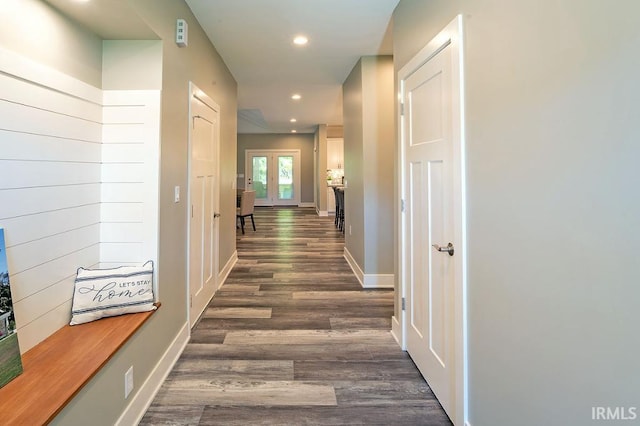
(128, 382)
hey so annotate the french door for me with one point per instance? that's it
(274, 175)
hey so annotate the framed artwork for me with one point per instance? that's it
(10, 360)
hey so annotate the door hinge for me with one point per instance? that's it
(402, 108)
(403, 304)
(402, 206)
(192, 210)
(191, 302)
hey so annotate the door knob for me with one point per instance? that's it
(447, 249)
(216, 215)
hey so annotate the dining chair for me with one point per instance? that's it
(340, 208)
(247, 201)
(337, 208)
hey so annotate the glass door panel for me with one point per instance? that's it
(259, 178)
(285, 177)
(274, 175)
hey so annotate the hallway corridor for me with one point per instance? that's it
(291, 338)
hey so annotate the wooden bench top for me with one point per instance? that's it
(58, 367)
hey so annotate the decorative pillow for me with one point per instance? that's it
(100, 293)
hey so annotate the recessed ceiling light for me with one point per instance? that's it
(293, 120)
(296, 97)
(294, 131)
(300, 40)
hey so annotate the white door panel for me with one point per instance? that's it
(429, 157)
(204, 199)
(432, 188)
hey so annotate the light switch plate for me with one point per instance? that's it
(182, 34)
(176, 194)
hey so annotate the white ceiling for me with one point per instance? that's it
(255, 39)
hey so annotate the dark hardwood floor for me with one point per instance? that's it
(291, 338)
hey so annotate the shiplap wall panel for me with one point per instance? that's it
(21, 146)
(121, 253)
(57, 212)
(123, 213)
(15, 90)
(44, 180)
(130, 175)
(122, 192)
(30, 281)
(124, 232)
(124, 133)
(45, 325)
(27, 119)
(37, 252)
(123, 153)
(29, 201)
(37, 173)
(29, 228)
(123, 172)
(50, 297)
(123, 111)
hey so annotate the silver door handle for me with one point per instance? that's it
(216, 215)
(447, 249)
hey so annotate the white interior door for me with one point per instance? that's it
(429, 222)
(274, 175)
(204, 190)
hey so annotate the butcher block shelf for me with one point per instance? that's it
(57, 368)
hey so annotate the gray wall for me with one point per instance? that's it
(553, 233)
(352, 108)
(320, 155)
(369, 153)
(35, 30)
(378, 168)
(131, 64)
(303, 142)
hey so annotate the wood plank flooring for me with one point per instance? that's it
(291, 338)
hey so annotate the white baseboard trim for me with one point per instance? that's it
(139, 404)
(307, 204)
(354, 266)
(378, 280)
(396, 332)
(322, 213)
(368, 280)
(222, 276)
